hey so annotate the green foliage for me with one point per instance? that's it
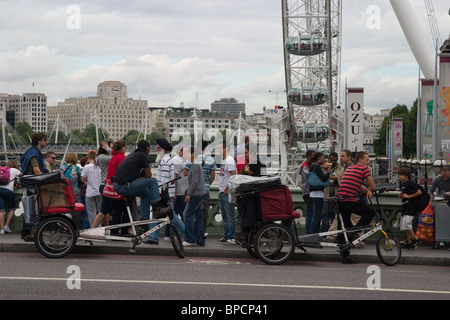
(409, 130)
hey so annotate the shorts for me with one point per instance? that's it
(406, 223)
(7, 199)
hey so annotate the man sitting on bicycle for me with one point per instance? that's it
(350, 188)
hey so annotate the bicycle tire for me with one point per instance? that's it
(389, 250)
(274, 244)
(176, 241)
(55, 237)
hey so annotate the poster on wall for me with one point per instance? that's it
(355, 119)
(444, 107)
(426, 108)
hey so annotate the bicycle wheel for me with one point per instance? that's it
(388, 249)
(175, 239)
(55, 237)
(274, 244)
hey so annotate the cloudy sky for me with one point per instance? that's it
(168, 52)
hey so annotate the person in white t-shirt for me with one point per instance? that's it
(7, 198)
(226, 205)
(91, 175)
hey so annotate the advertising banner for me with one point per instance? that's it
(355, 119)
(444, 106)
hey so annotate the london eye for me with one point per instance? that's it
(312, 49)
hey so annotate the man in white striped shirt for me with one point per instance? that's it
(165, 174)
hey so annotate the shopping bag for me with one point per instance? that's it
(425, 225)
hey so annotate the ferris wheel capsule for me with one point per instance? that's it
(306, 45)
(308, 96)
(312, 133)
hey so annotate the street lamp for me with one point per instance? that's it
(425, 166)
(401, 162)
(438, 164)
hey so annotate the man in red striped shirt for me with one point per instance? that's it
(351, 186)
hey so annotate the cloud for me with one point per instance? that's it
(169, 52)
(35, 62)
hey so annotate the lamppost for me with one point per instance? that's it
(438, 164)
(425, 166)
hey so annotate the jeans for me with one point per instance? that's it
(228, 216)
(176, 222)
(364, 211)
(308, 212)
(328, 214)
(145, 188)
(180, 205)
(193, 217)
(316, 216)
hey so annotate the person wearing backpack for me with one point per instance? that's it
(7, 199)
(414, 201)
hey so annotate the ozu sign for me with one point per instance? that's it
(355, 119)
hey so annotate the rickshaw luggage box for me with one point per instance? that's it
(41, 179)
(57, 195)
(260, 185)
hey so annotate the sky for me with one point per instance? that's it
(195, 51)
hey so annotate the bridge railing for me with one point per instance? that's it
(390, 206)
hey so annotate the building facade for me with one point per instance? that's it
(176, 122)
(230, 105)
(28, 107)
(117, 114)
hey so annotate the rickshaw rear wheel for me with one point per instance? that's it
(55, 237)
(274, 244)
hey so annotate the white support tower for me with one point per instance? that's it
(312, 41)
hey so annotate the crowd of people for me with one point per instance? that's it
(129, 176)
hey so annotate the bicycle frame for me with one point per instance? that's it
(100, 234)
(303, 240)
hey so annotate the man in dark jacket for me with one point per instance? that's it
(129, 181)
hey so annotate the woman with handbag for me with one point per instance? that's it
(317, 180)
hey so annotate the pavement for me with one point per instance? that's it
(422, 255)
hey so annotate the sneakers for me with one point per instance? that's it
(189, 244)
(227, 241)
(410, 246)
(7, 229)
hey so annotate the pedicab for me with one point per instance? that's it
(268, 224)
(49, 204)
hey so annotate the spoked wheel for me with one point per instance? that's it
(55, 237)
(175, 239)
(388, 249)
(274, 244)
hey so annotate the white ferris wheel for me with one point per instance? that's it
(312, 47)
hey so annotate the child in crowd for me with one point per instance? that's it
(414, 201)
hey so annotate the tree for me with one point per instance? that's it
(24, 130)
(409, 130)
